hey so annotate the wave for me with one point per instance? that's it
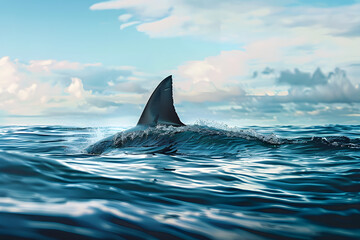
(208, 140)
(203, 181)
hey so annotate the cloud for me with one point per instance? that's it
(26, 92)
(148, 9)
(353, 32)
(219, 87)
(282, 69)
(53, 65)
(274, 38)
(302, 78)
(76, 88)
(238, 84)
(125, 17)
(130, 87)
(49, 87)
(338, 89)
(337, 100)
(102, 103)
(271, 33)
(229, 19)
(235, 69)
(262, 68)
(98, 78)
(128, 24)
(267, 71)
(20, 93)
(9, 77)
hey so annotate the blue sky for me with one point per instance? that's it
(235, 62)
(69, 30)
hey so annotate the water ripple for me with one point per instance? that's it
(193, 182)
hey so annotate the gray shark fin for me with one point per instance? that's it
(160, 107)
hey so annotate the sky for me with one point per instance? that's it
(235, 62)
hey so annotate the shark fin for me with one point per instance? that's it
(160, 107)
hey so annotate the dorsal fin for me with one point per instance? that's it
(160, 107)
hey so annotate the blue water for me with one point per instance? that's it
(194, 182)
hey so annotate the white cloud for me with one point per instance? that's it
(76, 88)
(51, 65)
(225, 84)
(148, 9)
(125, 17)
(200, 93)
(50, 87)
(272, 32)
(272, 35)
(9, 76)
(235, 68)
(21, 92)
(240, 21)
(128, 24)
(27, 92)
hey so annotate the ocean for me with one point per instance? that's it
(203, 181)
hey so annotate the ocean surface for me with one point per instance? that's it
(204, 181)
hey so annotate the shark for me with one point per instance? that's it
(159, 110)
